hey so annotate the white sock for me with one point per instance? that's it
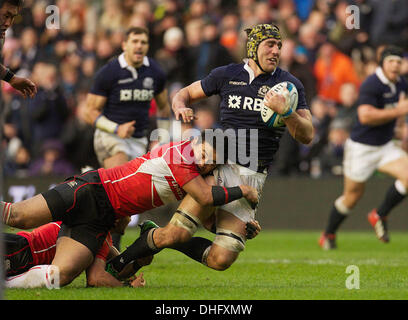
(341, 207)
(38, 276)
(400, 187)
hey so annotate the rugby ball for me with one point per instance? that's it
(273, 119)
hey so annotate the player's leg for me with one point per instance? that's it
(228, 243)
(352, 193)
(71, 258)
(360, 161)
(179, 230)
(36, 277)
(26, 214)
(394, 196)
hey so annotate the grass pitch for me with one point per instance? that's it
(277, 265)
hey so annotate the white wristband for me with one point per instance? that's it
(105, 124)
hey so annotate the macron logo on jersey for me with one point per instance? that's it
(136, 95)
(248, 103)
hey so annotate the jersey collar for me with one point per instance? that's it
(250, 71)
(124, 65)
(380, 74)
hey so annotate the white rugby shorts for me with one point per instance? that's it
(108, 144)
(231, 175)
(361, 160)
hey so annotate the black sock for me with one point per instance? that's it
(142, 247)
(335, 220)
(392, 198)
(136, 266)
(194, 248)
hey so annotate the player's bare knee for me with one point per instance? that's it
(66, 276)
(219, 262)
(229, 244)
(170, 235)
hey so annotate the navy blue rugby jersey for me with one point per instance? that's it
(379, 92)
(129, 91)
(241, 97)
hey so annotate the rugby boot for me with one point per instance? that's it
(380, 226)
(147, 225)
(327, 241)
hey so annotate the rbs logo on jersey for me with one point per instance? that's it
(235, 102)
(136, 95)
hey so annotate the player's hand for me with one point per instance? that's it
(187, 114)
(278, 103)
(139, 281)
(403, 103)
(252, 229)
(250, 193)
(24, 85)
(126, 130)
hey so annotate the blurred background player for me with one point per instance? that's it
(382, 100)
(119, 102)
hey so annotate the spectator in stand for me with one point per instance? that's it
(309, 40)
(172, 56)
(389, 22)
(347, 108)
(111, 18)
(17, 162)
(77, 137)
(332, 69)
(48, 109)
(52, 161)
(210, 54)
(291, 60)
(331, 157)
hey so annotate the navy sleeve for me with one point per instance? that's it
(368, 93)
(212, 83)
(302, 104)
(102, 82)
(161, 82)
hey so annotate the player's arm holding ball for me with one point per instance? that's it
(299, 122)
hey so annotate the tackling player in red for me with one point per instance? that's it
(88, 204)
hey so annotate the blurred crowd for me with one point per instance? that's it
(48, 134)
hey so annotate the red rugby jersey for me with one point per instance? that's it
(152, 180)
(43, 240)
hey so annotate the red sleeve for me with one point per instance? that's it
(182, 164)
(104, 250)
(184, 173)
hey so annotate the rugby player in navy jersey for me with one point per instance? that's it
(382, 100)
(119, 101)
(242, 88)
